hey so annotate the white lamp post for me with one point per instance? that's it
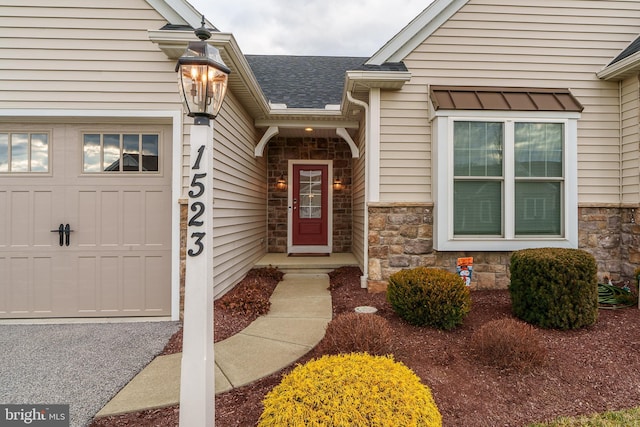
(203, 84)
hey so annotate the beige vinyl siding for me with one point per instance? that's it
(546, 43)
(240, 191)
(405, 146)
(83, 55)
(630, 103)
(358, 181)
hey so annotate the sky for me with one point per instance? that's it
(311, 27)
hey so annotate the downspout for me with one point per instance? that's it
(365, 275)
(621, 144)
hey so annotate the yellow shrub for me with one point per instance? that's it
(355, 390)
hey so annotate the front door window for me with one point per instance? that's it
(310, 194)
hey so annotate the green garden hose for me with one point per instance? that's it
(613, 297)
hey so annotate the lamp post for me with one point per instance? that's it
(203, 84)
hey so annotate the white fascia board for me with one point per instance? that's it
(515, 114)
(174, 115)
(303, 111)
(178, 12)
(416, 31)
(381, 79)
(621, 69)
(299, 122)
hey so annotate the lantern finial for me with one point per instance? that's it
(203, 33)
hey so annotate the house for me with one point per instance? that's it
(561, 169)
(480, 128)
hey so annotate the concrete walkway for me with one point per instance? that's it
(296, 322)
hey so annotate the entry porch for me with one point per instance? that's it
(308, 264)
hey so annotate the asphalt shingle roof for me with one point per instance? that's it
(302, 81)
(634, 47)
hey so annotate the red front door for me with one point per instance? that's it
(310, 213)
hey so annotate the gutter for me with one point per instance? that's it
(621, 69)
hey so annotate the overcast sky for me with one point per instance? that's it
(311, 27)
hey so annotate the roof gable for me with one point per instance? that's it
(417, 31)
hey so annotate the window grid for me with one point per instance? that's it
(478, 178)
(530, 184)
(120, 153)
(24, 152)
(310, 194)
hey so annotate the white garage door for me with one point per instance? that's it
(85, 220)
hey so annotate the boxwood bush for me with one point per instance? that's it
(429, 297)
(554, 287)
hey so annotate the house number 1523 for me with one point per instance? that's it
(197, 207)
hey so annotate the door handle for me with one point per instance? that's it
(60, 231)
(67, 233)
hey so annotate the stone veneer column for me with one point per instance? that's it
(630, 241)
(612, 236)
(401, 237)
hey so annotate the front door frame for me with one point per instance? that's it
(319, 249)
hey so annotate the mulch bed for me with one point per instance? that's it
(590, 370)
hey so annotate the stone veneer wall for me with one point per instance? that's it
(401, 236)
(612, 235)
(280, 151)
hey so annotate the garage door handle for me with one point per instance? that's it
(67, 233)
(60, 231)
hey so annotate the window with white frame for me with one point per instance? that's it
(120, 153)
(505, 180)
(22, 152)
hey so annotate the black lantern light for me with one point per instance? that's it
(203, 78)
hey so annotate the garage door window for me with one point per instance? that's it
(24, 152)
(113, 152)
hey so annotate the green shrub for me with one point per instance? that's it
(354, 332)
(429, 297)
(355, 390)
(509, 344)
(554, 287)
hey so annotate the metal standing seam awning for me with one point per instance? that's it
(503, 99)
